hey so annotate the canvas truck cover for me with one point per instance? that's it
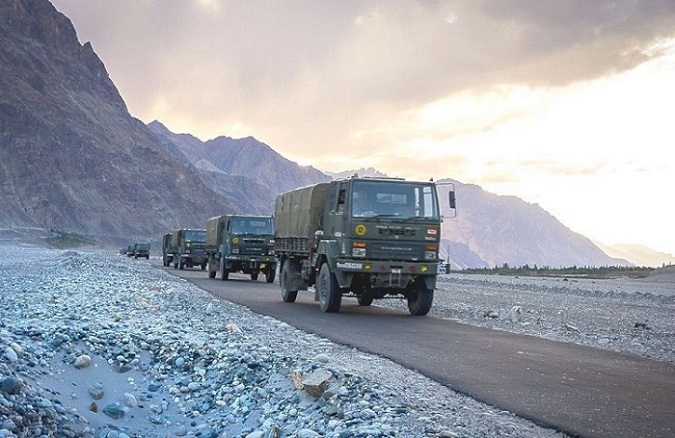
(214, 229)
(297, 212)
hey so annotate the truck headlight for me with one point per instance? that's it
(430, 255)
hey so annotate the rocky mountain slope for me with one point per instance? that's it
(255, 166)
(71, 156)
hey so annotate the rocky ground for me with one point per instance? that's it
(94, 344)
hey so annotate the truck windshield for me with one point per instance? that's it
(252, 225)
(394, 198)
(195, 235)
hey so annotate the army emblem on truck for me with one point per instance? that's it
(241, 243)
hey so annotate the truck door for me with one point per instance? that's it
(335, 208)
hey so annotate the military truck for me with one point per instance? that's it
(141, 249)
(368, 238)
(188, 248)
(241, 243)
(167, 250)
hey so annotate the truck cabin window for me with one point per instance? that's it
(393, 199)
(195, 235)
(252, 226)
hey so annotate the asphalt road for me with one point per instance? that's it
(579, 390)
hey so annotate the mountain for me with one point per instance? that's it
(71, 156)
(249, 173)
(506, 229)
(639, 255)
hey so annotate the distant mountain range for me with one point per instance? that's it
(639, 255)
(73, 159)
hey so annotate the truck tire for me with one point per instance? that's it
(420, 299)
(270, 274)
(330, 296)
(254, 276)
(365, 299)
(288, 296)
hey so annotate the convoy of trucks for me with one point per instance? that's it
(361, 237)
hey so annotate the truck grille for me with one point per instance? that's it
(252, 250)
(395, 251)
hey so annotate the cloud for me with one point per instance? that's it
(330, 65)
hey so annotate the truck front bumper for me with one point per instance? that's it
(387, 267)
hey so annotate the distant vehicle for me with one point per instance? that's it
(141, 249)
(167, 250)
(130, 251)
(241, 243)
(371, 238)
(188, 248)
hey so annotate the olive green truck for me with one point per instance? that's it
(241, 243)
(362, 237)
(188, 248)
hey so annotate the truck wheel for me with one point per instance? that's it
(270, 274)
(147, 257)
(365, 299)
(254, 276)
(288, 296)
(329, 291)
(420, 299)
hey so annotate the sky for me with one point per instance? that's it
(566, 104)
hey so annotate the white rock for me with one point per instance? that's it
(82, 361)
